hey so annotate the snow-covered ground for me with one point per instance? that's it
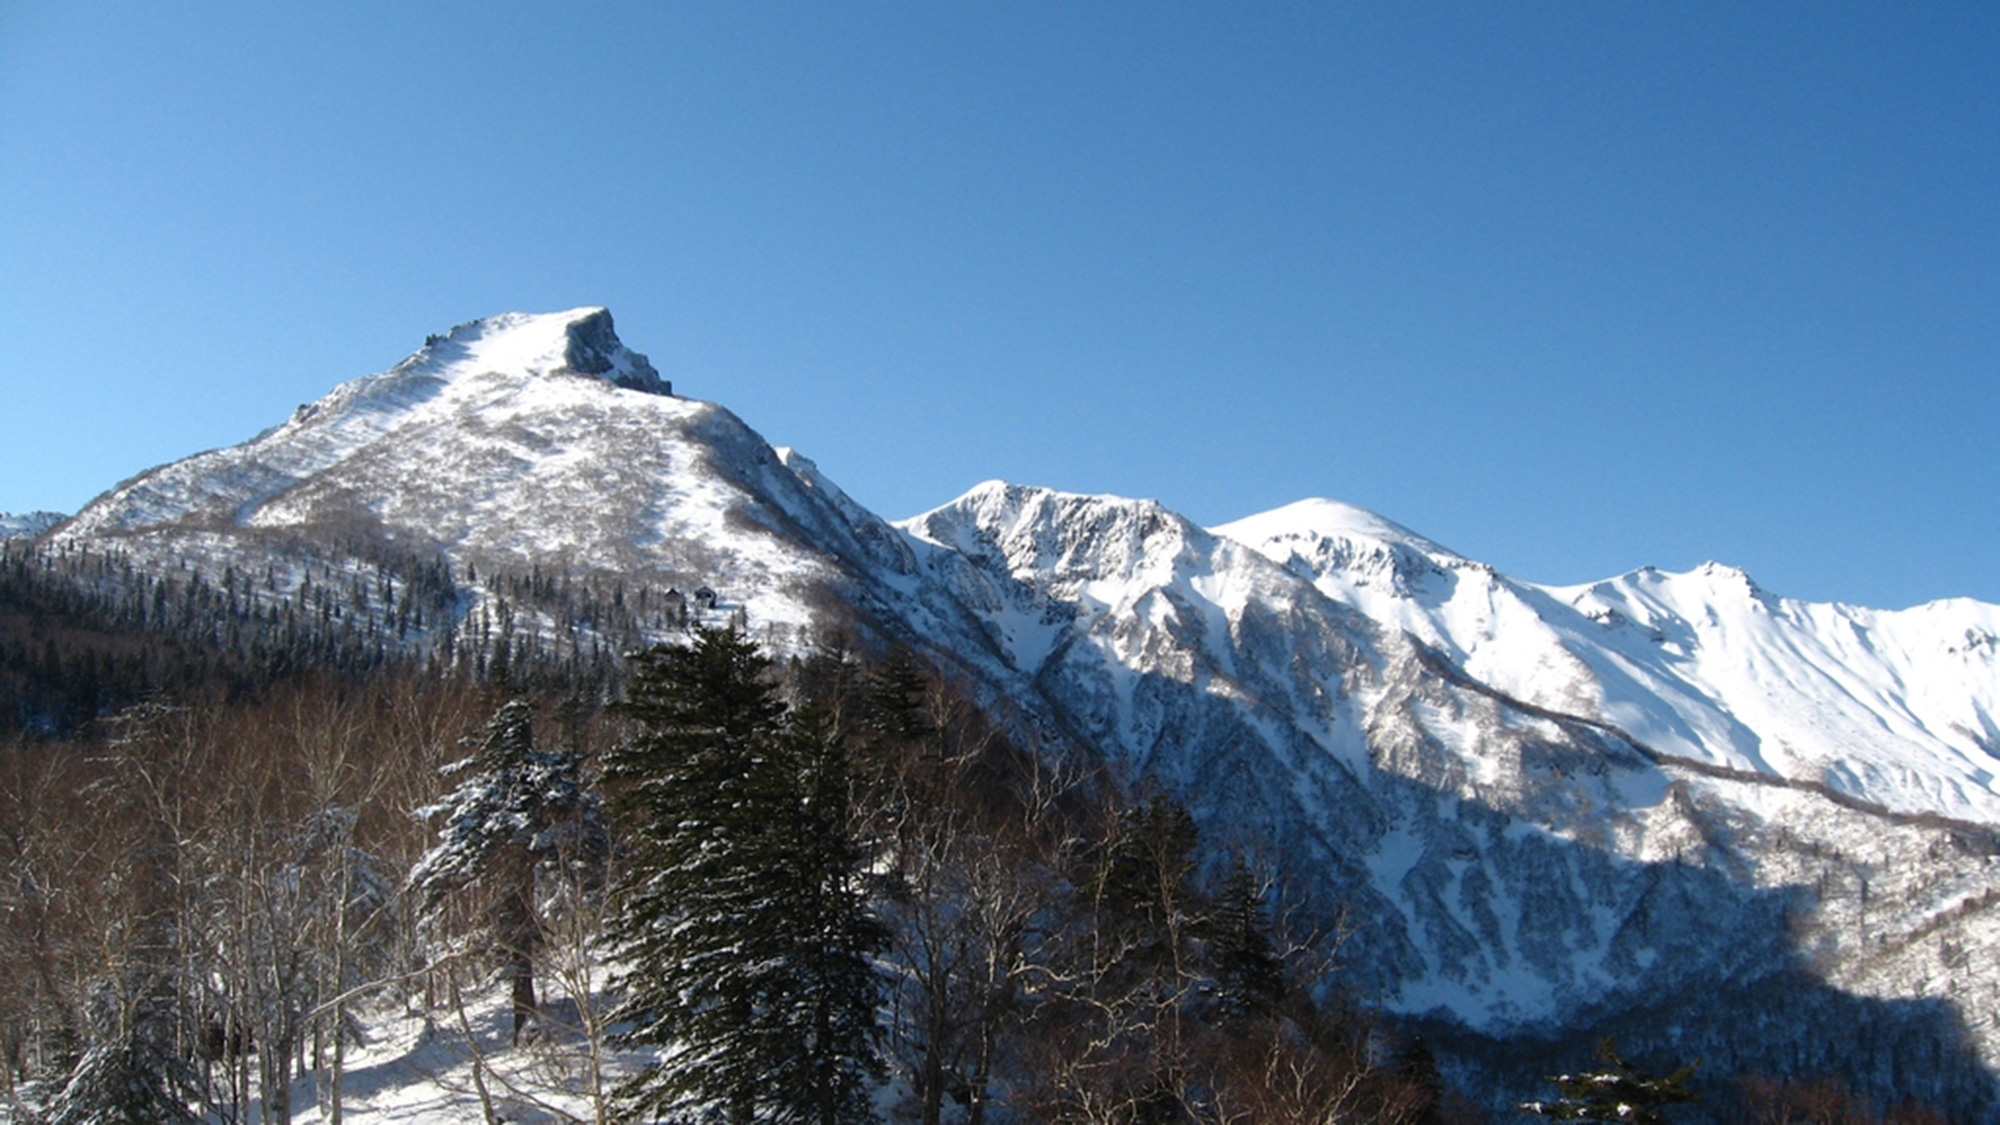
(414, 1068)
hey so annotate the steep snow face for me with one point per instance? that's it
(1322, 535)
(1125, 615)
(1408, 583)
(1293, 723)
(1894, 708)
(1897, 707)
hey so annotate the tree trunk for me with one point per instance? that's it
(931, 1081)
(339, 1064)
(518, 933)
(276, 1064)
(524, 995)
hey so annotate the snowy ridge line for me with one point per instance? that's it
(1436, 662)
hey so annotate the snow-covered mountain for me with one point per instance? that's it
(1671, 805)
(30, 524)
(1900, 708)
(511, 443)
(1467, 764)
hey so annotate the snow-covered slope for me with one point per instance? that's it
(1900, 708)
(1666, 805)
(513, 442)
(1544, 818)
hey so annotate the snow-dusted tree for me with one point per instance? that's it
(295, 918)
(1417, 1066)
(291, 910)
(131, 1080)
(823, 1022)
(517, 811)
(1615, 1092)
(968, 891)
(744, 935)
(1144, 879)
(968, 830)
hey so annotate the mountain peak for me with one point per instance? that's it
(1320, 519)
(581, 341)
(996, 501)
(1723, 579)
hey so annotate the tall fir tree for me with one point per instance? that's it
(893, 693)
(1145, 875)
(745, 936)
(1249, 976)
(1417, 1065)
(825, 1031)
(518, 811)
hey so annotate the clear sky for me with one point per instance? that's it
(1569, 287)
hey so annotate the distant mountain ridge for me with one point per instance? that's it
(1704, 665)
(27, 524)
(1654, 804)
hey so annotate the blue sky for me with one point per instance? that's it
(1572, 288)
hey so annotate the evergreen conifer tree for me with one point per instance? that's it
(825, 1030)
(1417, 1065)
(893, 699)
(745, 937)
(1145, 875)
(518, 810)
(130, 1081)
(1249, 978)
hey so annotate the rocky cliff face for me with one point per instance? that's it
(1678, 807)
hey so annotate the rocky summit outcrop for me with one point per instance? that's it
(594, 349)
